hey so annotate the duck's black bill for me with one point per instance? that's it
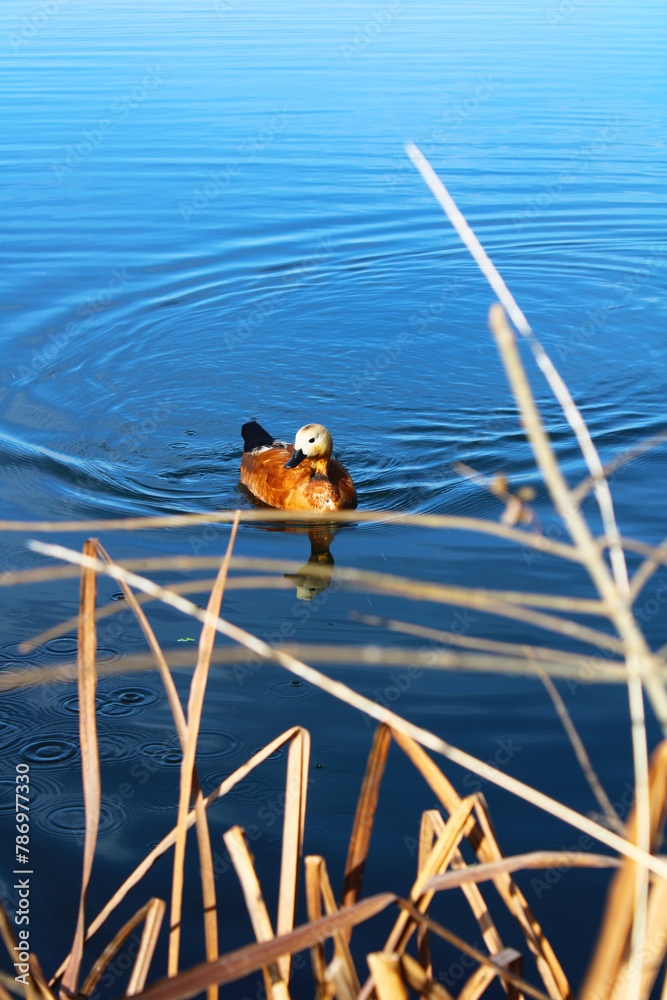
(297, 457)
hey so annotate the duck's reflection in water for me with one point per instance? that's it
(315, 575)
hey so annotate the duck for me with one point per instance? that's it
(302, 476)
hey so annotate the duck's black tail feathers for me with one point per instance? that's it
(254, 436)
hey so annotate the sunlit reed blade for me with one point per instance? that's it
(155, 914)
(276, 985)
(558, 387)
(610, 951)
(236, 964)
(520, 862)
(153, 908)
(195, 707)
(364, 817)
(582, 755)
(169, 840)
(586, 485)
(90, 763)
(296, 790)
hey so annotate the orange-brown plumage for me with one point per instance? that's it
(317, 482)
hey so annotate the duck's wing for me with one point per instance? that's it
(254, 436)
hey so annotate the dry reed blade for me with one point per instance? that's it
(614, 590)
(544, 362)
(644, 572)
(431, 521)
(387, 977)
(99, 965)
(276, 985)
(656, 938)
(616, 922)
(420, 981)
(347, 978)
(370, 655)
(242, 962)
(520, 862)
(589, 483)
(90, 762)
(156, 650)
(481, 839)
(195, 708)
(438, 859)
(296, 788)
(508, 977)
(473, 895)
(314, 910)
(154, 915)
(364, 816)
(473, 988)
(582, 754)
(135, 877)
(375, 711)
(494, 646)
(431, 826)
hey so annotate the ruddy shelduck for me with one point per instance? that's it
(302, 476)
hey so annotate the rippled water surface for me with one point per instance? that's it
(209, 217)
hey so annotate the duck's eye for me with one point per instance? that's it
(311, 440)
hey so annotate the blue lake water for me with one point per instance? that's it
(208, 217)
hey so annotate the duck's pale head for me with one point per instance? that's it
(314, 442)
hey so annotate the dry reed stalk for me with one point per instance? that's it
(371, 708)
(419, 979)
(169, 840)
(586, 485)
(150, 914)
(482, 840)
(610, 959)
(296, 789)
(616, 591)
(438, 860)
(362, 828)
(581, 754)
(507, 977)
(195, 708)
(485, 871)
(387, 976)
(275, 984)
(346, 974)
(244, 961)
(509, 959)
(476, 902)
(90, 763)
(431, 521)
(154, 916)
(523, 649)
(371, 655)
(37, 985)
(314, 911)
(558, 387)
